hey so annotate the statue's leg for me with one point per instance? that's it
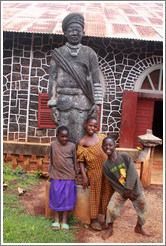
(79, 120)
(74, 120)
(55, 115)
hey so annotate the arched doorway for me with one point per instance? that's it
(150, 101)
(141, 107)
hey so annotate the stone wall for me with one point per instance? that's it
(26, 62)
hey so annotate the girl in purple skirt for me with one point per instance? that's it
(62, 172)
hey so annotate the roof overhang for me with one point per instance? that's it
(141, 20)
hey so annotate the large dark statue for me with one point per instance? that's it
(74, 83)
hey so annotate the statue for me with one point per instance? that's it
(74, 82)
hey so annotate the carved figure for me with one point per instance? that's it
(74, 83)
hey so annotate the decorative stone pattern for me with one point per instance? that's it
(26, 73)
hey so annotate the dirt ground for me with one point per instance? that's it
(34, 202)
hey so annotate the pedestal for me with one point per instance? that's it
(81, 210)
(146, 170)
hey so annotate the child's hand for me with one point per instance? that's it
(48, 176)
(85, 183)
(132, 197)
(126, 194)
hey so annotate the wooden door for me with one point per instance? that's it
(129, 105)
(137, 117)
(144, 119)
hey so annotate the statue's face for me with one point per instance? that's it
(74, 33)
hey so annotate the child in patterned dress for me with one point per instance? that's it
(90, 152)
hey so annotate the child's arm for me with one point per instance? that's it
(75, 161)
(131, 174)
(84, 176)
(50, 163)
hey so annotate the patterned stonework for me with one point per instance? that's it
(26, 73)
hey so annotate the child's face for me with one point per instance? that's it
(63, 137)
(108, 147)
(91, 127)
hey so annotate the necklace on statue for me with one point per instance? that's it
(73, 49)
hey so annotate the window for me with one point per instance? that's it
(151, 80)
(44, 112)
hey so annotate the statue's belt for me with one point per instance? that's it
(70, 91)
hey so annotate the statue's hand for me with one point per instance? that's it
(51, 103)
(55, 115)
(94, 111)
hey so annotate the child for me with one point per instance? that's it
(121, 172)
(62, 172)
(90, 152)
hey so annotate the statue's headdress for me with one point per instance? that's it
(72, 18)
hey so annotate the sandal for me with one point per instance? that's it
(65, 227)
(96, 226)
(55, 226)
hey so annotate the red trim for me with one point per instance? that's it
(150, 96)
(44, 112)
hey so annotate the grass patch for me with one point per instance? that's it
(22, 228)
(25, 180)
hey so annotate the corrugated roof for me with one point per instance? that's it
(135, 20)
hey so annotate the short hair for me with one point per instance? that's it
(62, 128)
(90, 118)
(111, 138)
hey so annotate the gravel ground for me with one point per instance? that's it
(34, 201)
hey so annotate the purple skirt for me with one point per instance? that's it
(62, 195)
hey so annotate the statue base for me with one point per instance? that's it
(81, 210)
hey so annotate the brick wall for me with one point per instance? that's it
(26, 61)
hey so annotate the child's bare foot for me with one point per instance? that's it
(139, 229)
(108, 233)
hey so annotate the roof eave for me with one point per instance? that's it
(113, 37)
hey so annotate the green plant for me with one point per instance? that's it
(17, 170)
(8, 174)
(38, 173)
(17, 174)
(72, 220)
(7, 168)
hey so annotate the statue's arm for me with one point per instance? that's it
(52, 84)
(95, 73)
